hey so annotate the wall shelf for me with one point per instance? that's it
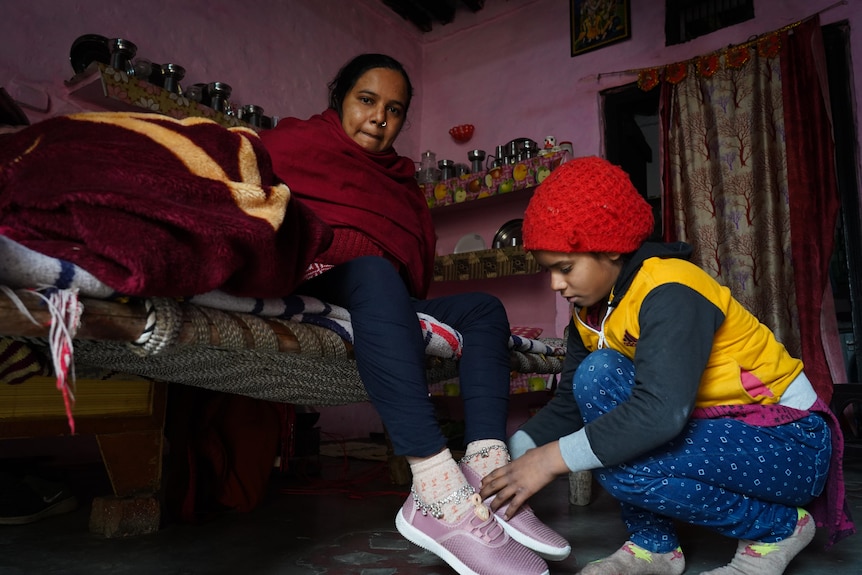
(485, 264)
(491, 183)
(110, 90)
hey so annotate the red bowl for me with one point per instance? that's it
(462, 133)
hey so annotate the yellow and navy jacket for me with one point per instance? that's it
(692, 344)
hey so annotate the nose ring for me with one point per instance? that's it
(383, 124)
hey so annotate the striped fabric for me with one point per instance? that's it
(19, 362)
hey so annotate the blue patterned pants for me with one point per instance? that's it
(741, 480)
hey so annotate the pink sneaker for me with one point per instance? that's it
(472, 546)
(525, 527)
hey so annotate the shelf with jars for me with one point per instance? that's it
(507, 189)
(495, 181)
(113, 90)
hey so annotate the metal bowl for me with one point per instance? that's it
(89, 48)
(509, 234)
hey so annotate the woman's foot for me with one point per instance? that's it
(754, 558)
(476, 544)
(630, 559)
(525, 527)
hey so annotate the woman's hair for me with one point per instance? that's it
(353, 70)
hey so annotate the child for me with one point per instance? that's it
(687, 408)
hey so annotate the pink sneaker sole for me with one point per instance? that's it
(525, 527)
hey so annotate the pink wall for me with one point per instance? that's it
(507, 70)
(514, 77)
(278, 54)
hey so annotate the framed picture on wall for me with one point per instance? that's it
(598, 23)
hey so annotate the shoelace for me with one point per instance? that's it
(488, 529)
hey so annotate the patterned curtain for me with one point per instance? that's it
(729, 189)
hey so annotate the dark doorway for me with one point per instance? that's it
(632, 141)
(846, 268)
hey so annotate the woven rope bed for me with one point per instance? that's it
(265, 358)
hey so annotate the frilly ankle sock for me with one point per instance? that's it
(486, 455)
(630, 559)
(438, 479)
(754, 558)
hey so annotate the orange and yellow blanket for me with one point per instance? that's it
(154, 206)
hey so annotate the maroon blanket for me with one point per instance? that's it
(154, 206)
(348, 187)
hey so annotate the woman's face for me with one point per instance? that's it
(373, 111)
(582, 279)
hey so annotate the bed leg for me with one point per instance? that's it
(113, 517)
(133, 461)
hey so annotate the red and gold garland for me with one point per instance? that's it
(731, 58)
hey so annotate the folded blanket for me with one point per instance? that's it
(21, 267)
(154, 206)
(441, 340)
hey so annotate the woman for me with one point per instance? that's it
(686, 405)
(343, 165)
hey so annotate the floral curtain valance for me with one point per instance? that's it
(733, 57)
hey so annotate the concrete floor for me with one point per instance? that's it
(340, 521)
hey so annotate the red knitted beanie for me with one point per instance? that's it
(587, 205)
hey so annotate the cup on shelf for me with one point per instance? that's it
(218, 94)
(195, 92)
(142, 68)
(447, 169)
(157, 75)
(122, 52)
(477, 160)
(251, 114)
(173, 73)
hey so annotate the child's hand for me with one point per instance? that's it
(516, 482)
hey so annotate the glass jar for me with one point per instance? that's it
(428, 171)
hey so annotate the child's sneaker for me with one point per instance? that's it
(31, 498)
(472, 546)
(525, 527)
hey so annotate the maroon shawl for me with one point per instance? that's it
(348, 187)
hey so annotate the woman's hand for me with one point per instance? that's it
(516, 482)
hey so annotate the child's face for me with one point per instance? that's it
(582, 279)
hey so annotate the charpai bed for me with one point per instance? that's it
(166, 249)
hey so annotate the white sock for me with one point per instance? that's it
(486, 455)
(631, 559)
(439, 479)
(754, 558)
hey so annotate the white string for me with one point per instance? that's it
(19, 304)
(65, 310)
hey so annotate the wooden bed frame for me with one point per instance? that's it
(298, 363)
